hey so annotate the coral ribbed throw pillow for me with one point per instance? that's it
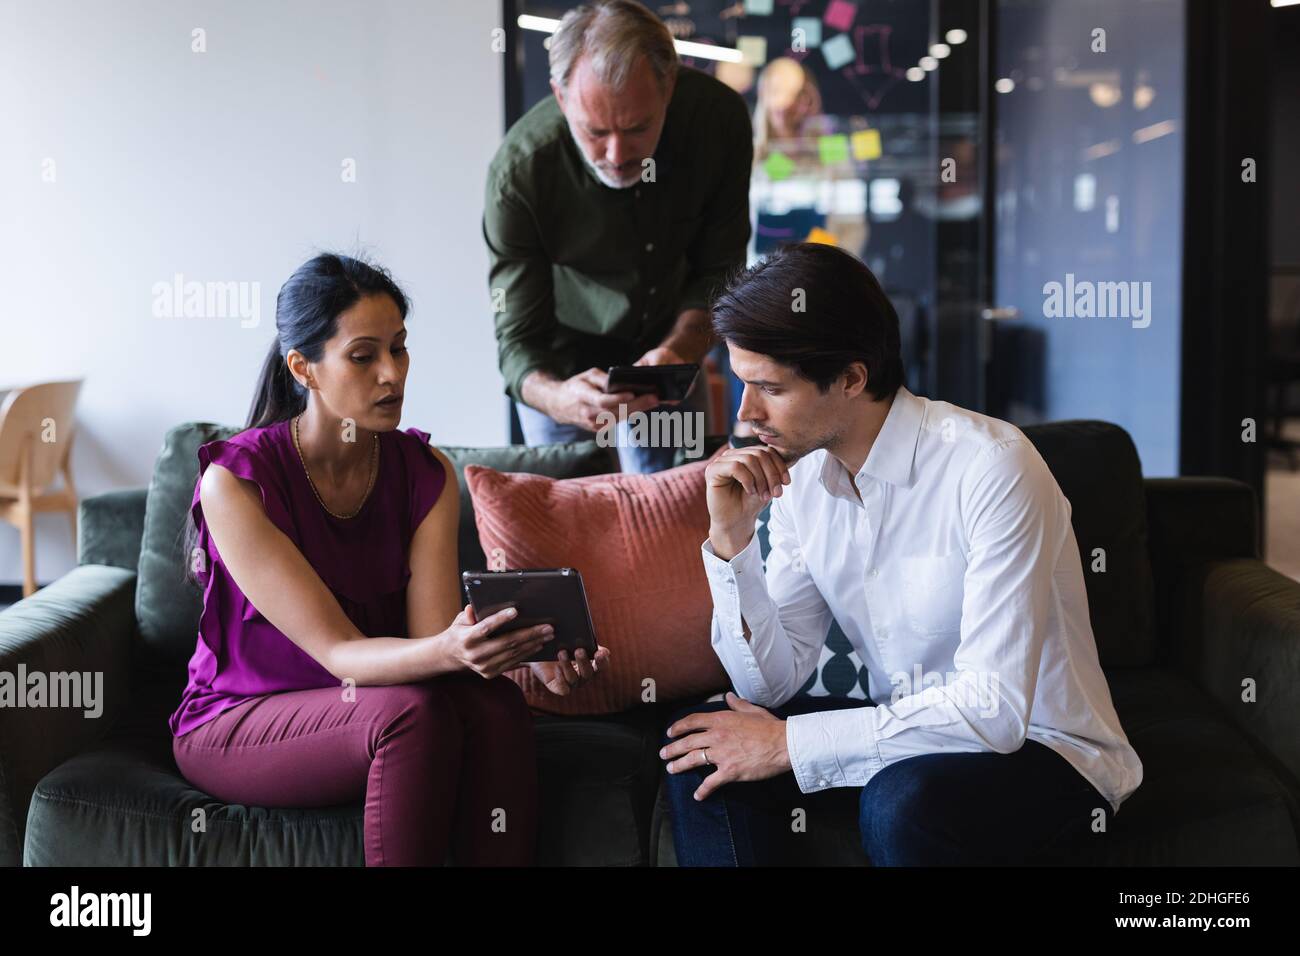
(636, 541)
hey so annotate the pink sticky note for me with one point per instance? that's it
(839, 14)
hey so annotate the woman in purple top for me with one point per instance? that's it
(334, 660)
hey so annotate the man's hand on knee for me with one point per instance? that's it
(745, 742)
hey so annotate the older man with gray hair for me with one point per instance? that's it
(614, 209)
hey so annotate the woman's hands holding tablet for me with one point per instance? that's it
(563, 675)
(488, 650)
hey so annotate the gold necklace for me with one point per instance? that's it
(374, 455)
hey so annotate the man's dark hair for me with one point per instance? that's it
(846, 316)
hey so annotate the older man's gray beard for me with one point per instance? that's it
(604, 177)
(600, 173)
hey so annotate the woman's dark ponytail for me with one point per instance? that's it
(278, 395)
(307, 312)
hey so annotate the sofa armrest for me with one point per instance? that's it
(1250, 630)
(110, 527)
(1191, 522)
(1201, 518)
(71, 643)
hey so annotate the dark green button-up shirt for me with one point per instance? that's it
(585, 275)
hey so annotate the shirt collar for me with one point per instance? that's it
(892, 453)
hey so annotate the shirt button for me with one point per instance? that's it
(823, 782)
(873, 572)
(649, 247)
(652, 290)
(636, 193)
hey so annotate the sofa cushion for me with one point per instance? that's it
(1100, 474)
(167, 606)
(635, 539)
(110, 527)
(598, 779)
(562, 460)
(1206, 797)
(124, 803)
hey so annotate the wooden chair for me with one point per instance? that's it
(37, 425)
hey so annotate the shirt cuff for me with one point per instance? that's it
(742, 575)
(735, 602)
(832, 748)
(519, 369)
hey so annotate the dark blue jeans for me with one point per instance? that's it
(950, 809)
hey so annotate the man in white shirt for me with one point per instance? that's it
(939, 541)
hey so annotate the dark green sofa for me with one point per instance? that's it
(1184, 613)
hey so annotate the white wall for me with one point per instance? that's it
(226, 166)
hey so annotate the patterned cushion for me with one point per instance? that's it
(840, 672)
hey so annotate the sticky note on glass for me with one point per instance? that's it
(812, 32)
(818, 234)
(758, 8)
(778, 165)
(838, 50)
(753, 50)
(833, 149)
(866, 144)
(839, 14)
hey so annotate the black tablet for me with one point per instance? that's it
(669, 382)
(552, 596)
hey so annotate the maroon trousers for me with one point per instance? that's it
(446, 764)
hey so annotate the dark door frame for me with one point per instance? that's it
(1225, 240)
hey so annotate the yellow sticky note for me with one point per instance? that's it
(818, 234)
(866, 144)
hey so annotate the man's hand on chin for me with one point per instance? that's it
(745, 742)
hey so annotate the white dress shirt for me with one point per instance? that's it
(958, 582)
